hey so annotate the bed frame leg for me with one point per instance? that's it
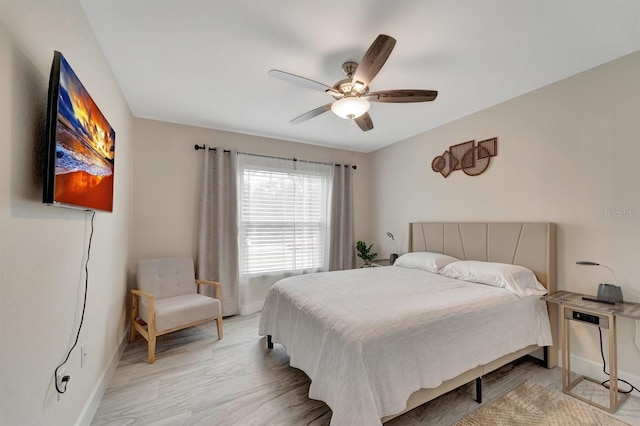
(545, 351)
(269, 342)
(479, 390)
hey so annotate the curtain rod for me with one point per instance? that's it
(197, 147)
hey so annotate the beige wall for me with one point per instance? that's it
(42, 248)
(168, 173)
(567, 153)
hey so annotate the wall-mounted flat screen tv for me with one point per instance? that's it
(80, 145)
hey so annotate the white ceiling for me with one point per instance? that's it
(205, 62)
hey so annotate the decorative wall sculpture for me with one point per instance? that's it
(472, 159)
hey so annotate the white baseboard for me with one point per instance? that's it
(91, 406)
(593, 369)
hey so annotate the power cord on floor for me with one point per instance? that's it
(65, 380)
(604, 369)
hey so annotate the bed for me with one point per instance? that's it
(377, 342)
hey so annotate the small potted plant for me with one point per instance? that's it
(365, 253)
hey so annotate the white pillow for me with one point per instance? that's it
(517, 279)
(427, 261)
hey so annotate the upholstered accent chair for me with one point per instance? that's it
(167, 300)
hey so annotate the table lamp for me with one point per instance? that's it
(607, 293)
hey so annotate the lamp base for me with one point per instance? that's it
(609, 293)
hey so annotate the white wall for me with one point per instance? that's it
(567, 153)
(167, 182)
(42, 248)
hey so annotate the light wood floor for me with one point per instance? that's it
(197, 379)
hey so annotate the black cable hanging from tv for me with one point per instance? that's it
(67, 378)
(198, 147)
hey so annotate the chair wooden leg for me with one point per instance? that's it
(219, 324)
(132, 333)
(152, 346)
(151, 331)
(134, 314)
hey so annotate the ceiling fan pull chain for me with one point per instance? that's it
(351, 121)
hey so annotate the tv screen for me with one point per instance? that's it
(80, 145)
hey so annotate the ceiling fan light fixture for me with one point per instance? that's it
(350, 107)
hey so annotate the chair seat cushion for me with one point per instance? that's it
(180, 310)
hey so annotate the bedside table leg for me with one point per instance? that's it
(566, 339)
(613, 364)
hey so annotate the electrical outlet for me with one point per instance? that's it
(83, 355)
(62, 380)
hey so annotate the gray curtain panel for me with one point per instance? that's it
(342, 249)
(218, 229)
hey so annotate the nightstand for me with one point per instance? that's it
(381, 262)
(574, 308)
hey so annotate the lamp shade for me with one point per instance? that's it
(350, 107)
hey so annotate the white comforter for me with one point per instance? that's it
(368, 338)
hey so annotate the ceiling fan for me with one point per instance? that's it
(352, 93)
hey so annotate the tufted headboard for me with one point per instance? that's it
(529, 244)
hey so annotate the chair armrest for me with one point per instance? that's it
(215, 284)
(142, 293)
(150, 300)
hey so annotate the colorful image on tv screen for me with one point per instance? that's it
(85, 147)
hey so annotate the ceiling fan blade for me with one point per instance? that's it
(402, 96)
(373, 60)
(364, 122)
(296, 79)
(313, 113)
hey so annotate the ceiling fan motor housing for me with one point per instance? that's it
(346, 86)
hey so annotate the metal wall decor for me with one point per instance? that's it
(472, 159)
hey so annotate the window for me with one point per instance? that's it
(283, 215)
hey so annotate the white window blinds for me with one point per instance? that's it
(283, 215)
